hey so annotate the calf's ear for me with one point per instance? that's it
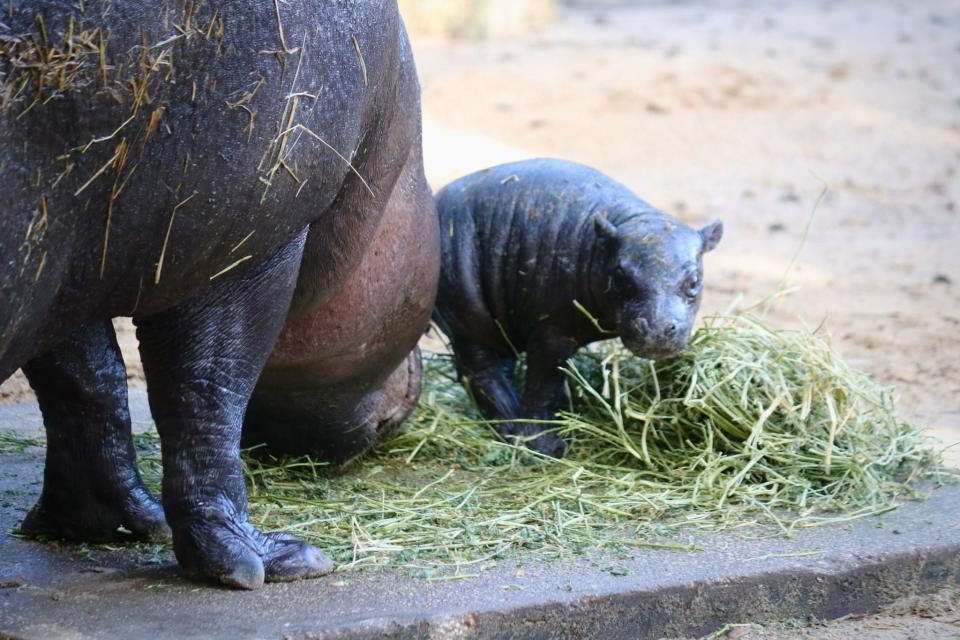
(606, 230)
(711, 235)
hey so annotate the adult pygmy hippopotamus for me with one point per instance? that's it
(203, 166)
(545, 256)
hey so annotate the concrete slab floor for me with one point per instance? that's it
(50, 590)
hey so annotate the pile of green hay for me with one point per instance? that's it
(748, 427)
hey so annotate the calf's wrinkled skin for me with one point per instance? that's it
(204, 167)
(545, 256)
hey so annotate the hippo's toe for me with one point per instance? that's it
(280, 558)
(288, 558)
(230, 550)
(124, 515)
(244, 572)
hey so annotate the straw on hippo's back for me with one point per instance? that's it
(545, 256)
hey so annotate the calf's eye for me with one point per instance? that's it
(622, 272)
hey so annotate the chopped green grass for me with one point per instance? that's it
(749, 426)
(12, 442)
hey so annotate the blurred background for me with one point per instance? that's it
(745, 111)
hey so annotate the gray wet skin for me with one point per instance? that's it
(520, 243)
(179, 178)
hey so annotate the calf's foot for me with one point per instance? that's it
(536, 437)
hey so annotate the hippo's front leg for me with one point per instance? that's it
(201, 361)
(91, 486)
(484, 373)
(543, 389)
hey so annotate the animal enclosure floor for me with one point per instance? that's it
(58, 590)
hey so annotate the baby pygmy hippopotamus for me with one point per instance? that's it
(544, 257)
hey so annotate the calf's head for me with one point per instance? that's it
(654, 271)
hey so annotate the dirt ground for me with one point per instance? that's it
(745, 111)
(933, 617)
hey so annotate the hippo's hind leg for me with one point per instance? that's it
(484, 374)
(91, 486)
(346, 371)
(403, 389)
(336, 423)
(202, 359)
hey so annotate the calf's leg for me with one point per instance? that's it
(484, 373)
(543, 389)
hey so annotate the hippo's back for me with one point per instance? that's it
(517, 239)
(148, 148)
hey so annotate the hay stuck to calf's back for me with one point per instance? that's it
(749, 426)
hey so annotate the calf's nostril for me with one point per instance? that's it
(670, 330)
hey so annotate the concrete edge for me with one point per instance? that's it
(694, 609)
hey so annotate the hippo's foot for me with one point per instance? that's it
(230, 550)
(399, 394)
(132, 514)
(198, 403)
(536, 437)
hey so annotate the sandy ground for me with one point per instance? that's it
(933, 617)
(745, 111)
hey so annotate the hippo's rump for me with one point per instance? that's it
(147, 148)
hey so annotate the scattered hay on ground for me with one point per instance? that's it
(749, 426)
